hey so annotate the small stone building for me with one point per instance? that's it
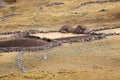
(80, 29)
(66, 28)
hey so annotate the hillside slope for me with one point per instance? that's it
(53, 14)
(95, 60)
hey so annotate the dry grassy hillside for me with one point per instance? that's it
(95, 60)
(76, 61)
(53, 14)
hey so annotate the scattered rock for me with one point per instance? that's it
(56, 3)
(95, 2)
(45, 57)
(6, 17)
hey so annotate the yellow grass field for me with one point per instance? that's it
(96, 60)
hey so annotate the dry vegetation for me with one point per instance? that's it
(78, 61)
(44, 14)
(97, 60)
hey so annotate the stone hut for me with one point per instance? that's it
(66, 28)
(80, 29)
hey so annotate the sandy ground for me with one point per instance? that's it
(56, 35)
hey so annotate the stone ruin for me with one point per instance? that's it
(81, 29)
(66, 28)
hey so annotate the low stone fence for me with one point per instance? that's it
(54, 44)
(29, 31)
(38, 31)
(19, 62)
(82, 39)
(9, 33)
(34, 48)
(105, 28)
(112, 34)
(95, 2)
(59, 41)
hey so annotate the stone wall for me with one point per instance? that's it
(35, 48)
(28, 31)
(105, 28)
(38, 31)
(56, 42)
